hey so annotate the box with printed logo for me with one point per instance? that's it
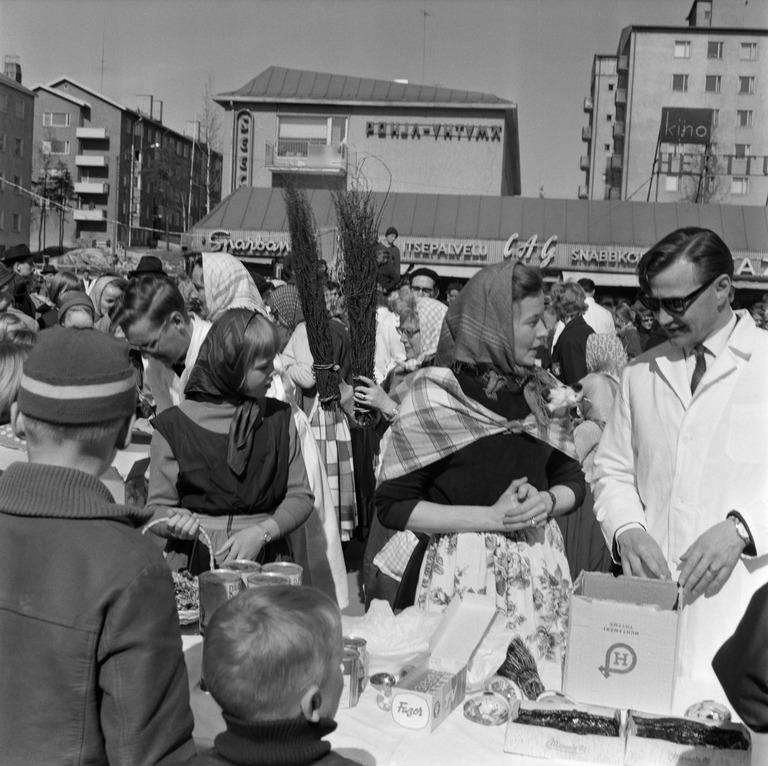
(622, 642)
(425, 697)
(566, 732)
(650, 742)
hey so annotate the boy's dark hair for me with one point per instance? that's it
(266, 647)
(151, 296)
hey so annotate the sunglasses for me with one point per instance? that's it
(674, 305)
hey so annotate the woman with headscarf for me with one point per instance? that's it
(477, 462)
(224, 283)
(228, 458)
(105, 293)
(605, 354)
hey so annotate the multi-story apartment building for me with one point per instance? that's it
(134, 180)
(17, 107)
(714, 64)
(332, 131)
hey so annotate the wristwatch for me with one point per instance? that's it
(267, 539)
(741, 529)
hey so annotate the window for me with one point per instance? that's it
(2, 182)
(20, 108)
(608, 117)
(2, 142)
(17, 221)
(56, 119)
(680, 82)
(715, 117)
(740, 185)
(672, 183)
(3, 102)
(748, 52)
(18, 147)
(712, 83)
(295, 133)
(55, 147)
(607, 147)
(17, 184)
(742, 150)
(744, 118)
(682, 49)
(610, 86)
(714, 50)
(2, 219)
(746, 85)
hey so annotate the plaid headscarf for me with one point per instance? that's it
(285, 302)
(228, 285)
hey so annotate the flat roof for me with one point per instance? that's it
(279, 84)
(594, 222)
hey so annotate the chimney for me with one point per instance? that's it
(12, 68)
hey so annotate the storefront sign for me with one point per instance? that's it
(243, 126)
(685, 126)
(530, 251)
(446, 131)
(222, 241)
(587, 257)
(751, 267)
(720, 165)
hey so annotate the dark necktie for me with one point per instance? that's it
(700, 368)
(179, 369)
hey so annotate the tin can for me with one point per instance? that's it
(261, 579)
(243, 566)
(294, 572)
(216, 588)
(350, 693)
(360, 645)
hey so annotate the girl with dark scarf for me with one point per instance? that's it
(228, 458)
(477, 461)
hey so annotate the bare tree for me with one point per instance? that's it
(210, 144)
(702, 182)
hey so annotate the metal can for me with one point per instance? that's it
(350, 662)
(360, 645)
(294, 572)
(243, 566)
(216, 588)
(260, 579)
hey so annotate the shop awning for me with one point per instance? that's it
(602, 279)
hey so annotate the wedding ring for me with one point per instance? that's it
(533, 521)
(711, 571)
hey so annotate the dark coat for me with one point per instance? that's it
(569, 357)
(92, 665)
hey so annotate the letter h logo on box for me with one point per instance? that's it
(619, 659)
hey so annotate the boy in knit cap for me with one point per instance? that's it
(91, 666)
(272, 660)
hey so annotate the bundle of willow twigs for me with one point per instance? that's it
(305, 252)
(357, 270)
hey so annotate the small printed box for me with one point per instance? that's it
(622, 642)
(426, 696)
(731, 744)
(597, 736)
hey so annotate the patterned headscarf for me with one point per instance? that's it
(97, 289)
(431, 314)
(606, 354)
(218, 376)
(228, 285)
(285, 302)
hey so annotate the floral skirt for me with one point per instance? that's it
(527, 575)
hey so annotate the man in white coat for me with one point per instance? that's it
(597, 317)
(681, 474)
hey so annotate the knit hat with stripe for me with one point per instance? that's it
(77, 377)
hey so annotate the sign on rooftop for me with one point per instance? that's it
(685, 126)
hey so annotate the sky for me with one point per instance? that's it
(535, 53)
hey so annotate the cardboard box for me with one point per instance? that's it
(643, 751)
(553, 744)
(426, 696)
(622, 642)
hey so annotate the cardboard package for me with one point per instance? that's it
(643, 751)
(622, 642)
(425, 697)
(549, 743)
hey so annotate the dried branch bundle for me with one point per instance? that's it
(305, 252)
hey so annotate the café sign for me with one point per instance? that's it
(446, 131)
(480, 252)
(222, 241)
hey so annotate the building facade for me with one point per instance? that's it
(334, 132)
(134, 181)
(17, 110)
(665, 76)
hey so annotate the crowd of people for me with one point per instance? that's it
(523, 433)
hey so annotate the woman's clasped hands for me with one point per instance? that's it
(521, 506)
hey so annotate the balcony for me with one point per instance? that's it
(91, 133)
(583, 193)
(584, 162)
(586, 133)
(617, 162)
(614, 192)
(623, 63)
(621, 96)
(90, 215)
(91, 161)
(91, 187)
(588, 104)
(305, 156)
(618, 130)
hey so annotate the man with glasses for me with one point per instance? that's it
(681, 473)
(424, 282)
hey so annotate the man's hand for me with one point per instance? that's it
(244, 544)
(641, 555)
(708, 563)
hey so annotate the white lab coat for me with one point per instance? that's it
(678, 463)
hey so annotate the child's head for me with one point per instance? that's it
(76, 310)
(275, 653)
(78, 386)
